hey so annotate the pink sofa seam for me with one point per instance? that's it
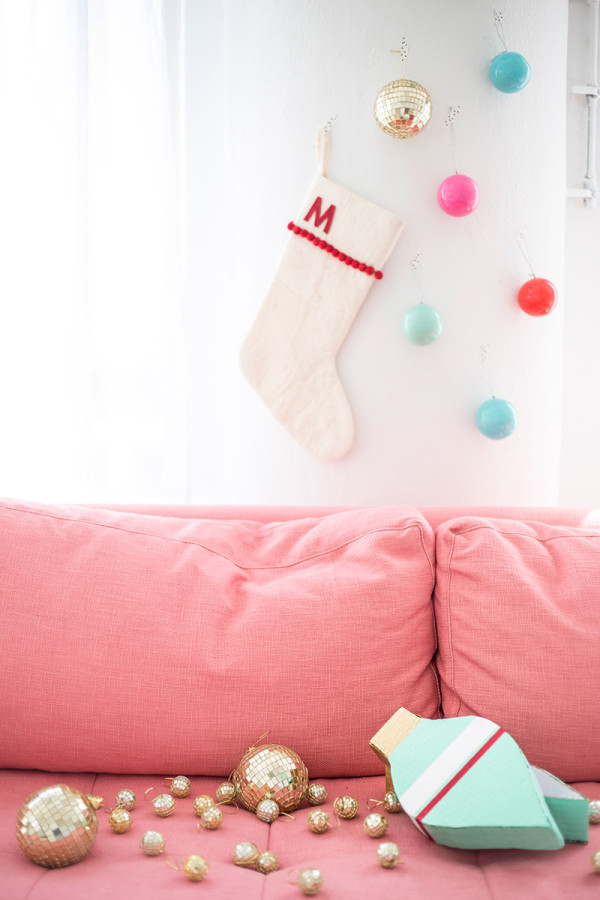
(191, 543)
(535, 537)
(449, 617)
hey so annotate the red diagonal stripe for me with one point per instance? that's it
(461, 772)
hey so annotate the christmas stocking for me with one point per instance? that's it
(335, 252)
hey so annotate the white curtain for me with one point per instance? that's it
(92, 354)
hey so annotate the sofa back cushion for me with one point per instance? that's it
(518, 616)
(150, 644)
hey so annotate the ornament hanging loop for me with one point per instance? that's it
(403, 51)
(498, 17)
(453, 112)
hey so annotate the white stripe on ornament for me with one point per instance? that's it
(457, 753)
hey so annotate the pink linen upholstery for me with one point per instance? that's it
(135, 643)
(346, 857)
(518, 616)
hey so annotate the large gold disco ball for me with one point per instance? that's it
(56, 826)
(402, 108)
(271, 771)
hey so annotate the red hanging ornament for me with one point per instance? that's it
(537, 297)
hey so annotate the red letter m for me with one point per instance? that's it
(319, 216)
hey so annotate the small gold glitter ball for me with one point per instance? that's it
(391, 803)
(316, 794)
(245, 854)
(196, 868)
(388, 855)
(225, 793)
(202, 802)
(318, 821)
(596, 861)
(125, 799)
(375, 825)
(346, 807)
(211, 818)
(56, 826)
(594, 812)
(267, 810)
(273, 770)
(152, 843)
(181, 786)
(402, 108)
(119, 820)
(310, 882)
(163, 805)
(267, 862)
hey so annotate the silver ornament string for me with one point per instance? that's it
(522, 242)
(403, 51)
(453, 112)
(483, 355)
(498, 17)
(416, 263)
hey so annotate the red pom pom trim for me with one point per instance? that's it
(337, 254)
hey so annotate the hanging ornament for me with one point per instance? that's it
(510, 72)
(496, 418)
(310, 881)
(271, 770)
(267, 862)
(316, 794)
(125, 799)
(57, 825)
(458, 195)
(225, 792)
(375, 825)
(119, 820)
(538, 296)
(180, 786)
(318, 821)
(402, 107)
(388, 855)
(152, 843)
(421, 324)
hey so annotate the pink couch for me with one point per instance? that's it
(145, 643)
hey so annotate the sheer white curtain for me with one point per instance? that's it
(92, 358)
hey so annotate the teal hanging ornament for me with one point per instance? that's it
(422, 324)
(496, 418)
(510, 72)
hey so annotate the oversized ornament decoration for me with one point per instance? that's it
(537, 297)
(402, 108)
(57, 825)
(271, 772)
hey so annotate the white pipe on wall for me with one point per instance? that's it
(590, 183)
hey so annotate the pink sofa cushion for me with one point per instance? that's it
(518, 616)
(136, 643)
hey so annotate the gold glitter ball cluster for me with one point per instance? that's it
(271, 771)
(402, 108)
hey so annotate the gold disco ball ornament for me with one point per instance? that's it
(57, 826)
(403, 108)
(271, 772)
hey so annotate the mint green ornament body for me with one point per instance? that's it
(422, 324)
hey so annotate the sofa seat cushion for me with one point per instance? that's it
(345, 855)
(518, 617)
(140, 643)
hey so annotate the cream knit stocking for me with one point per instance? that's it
(336, 250)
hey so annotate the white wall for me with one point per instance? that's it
(262, 76)
(580, 469)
